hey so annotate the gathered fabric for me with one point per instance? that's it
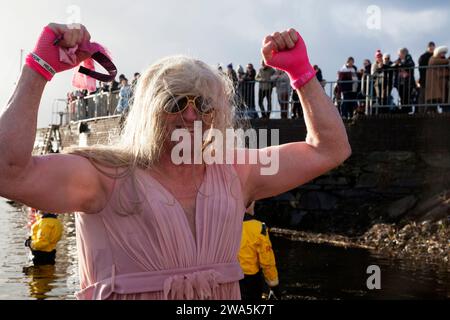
(141, 246)
(179, 284)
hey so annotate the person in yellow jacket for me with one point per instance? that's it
(46, 231)
(257, 259)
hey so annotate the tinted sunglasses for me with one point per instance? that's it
(180, 104)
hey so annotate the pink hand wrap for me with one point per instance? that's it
(45, 57)
(295, 63)
(48, 59)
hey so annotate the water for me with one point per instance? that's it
(19, 280)
(306, 271)
(309, 271)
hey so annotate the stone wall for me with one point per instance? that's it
(99, 131)
(397, 161)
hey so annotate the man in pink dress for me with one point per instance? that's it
(149, 227)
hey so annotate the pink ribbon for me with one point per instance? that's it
(79, 80)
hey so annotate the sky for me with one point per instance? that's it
(140, 32)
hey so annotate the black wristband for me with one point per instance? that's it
(106, 63)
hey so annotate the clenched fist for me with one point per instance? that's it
(46, 56)
(287, 51)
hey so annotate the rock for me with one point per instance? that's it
(437, 213)
(377, 157)
(340, 181)
(285, 197)
(352, 193)
(409, 180)
(367, 180)
(376, 168)
(425, 241)
(331, 189)
(437, 160)
(318, 201)
(400, 156)
(353, 171)
(378, 233)
(297, 217)
(399, 208)
(310, 187)
(436, 181)
(428, 228)
(390, 157)
(407, 232)
(426, 206)
(392, 193)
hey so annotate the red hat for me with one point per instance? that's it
(378, 54)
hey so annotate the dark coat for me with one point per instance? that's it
(405, 72)
(424, 61)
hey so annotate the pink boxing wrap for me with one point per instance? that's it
(295, 63)
(48, 59)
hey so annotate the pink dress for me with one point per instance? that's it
(152, 254)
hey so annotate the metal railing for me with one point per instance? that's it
(401, 90)
(98, 105)
(390, 90)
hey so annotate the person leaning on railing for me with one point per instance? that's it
(240, 91)
(377, 73)
(405, 78)
(347, 86)
(249, 91)
(424, 61)
(382, 74)
(388, 84)
(124, 97)
(265, 88)
(437, 90)
(281, 81)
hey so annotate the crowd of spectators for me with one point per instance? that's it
(122, 88)
(268, 79)
(389, 86)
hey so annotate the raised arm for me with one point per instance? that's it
(326, 145)
(60, 183)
